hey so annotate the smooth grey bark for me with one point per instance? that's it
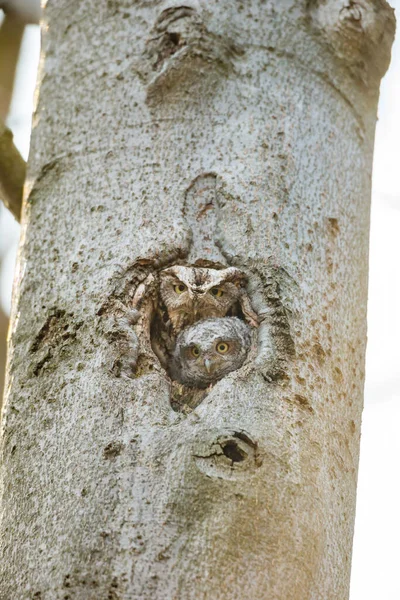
(106, 492)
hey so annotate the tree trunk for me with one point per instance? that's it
(234, 133)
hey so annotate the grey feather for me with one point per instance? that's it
(209, 350)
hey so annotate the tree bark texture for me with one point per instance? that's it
(262, 115)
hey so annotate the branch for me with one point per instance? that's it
(18, 13)
(12, 172)
(11, 33)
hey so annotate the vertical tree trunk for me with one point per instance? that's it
(262, 115)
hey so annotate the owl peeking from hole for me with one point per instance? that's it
(191, 294)
(208, 350)
(190, 302)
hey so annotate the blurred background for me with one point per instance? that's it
(376, 552)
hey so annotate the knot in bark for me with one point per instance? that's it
(360, 34)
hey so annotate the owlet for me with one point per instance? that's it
(210, 349)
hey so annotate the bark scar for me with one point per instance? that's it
(179, 47)
(54, 338)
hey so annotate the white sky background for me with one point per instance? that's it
(376, 555)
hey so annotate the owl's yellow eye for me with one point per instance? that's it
(217, 292)
(180, 288)
(222, 347)
(195, 351)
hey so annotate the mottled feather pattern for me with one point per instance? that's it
(179, 297)
(209, 350)
(191, 294)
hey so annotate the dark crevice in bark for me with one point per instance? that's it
(229, 451)
(52, 341)
(233, 451)
(113, 449)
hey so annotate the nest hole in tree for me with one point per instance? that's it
(183, 398)
(163, 338)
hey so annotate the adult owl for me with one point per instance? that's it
(191, 294)
(209, 350)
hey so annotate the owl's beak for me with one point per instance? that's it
(207, 364)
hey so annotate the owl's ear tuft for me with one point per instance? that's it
(235, 276)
